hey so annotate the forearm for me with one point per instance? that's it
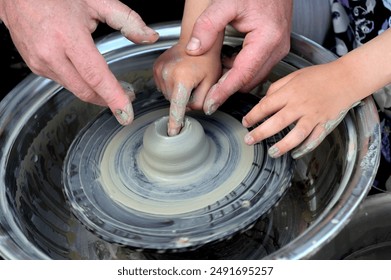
(369, 66)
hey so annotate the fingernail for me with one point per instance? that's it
(125, 116)
(194, 44)
(150, 32)
(273, 152)
(245, 123)
(211, 107)
(248, 139)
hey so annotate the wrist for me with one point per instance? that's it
(369, 63)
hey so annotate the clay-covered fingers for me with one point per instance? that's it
(184, 95)
(184, 81)
(127, 21)
(178, 104)
(99, 80)
(307, 128)
(271, 104)
(295, 137)
(306, 100)
(320, 132)
(173, 77)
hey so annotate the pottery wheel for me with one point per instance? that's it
(138, 187)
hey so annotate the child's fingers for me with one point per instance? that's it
(271, 126)
(178, 104)
(266, 106)
(295, 137)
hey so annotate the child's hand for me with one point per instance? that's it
(180, 76)
(315, 99)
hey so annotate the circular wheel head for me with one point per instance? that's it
(136, 186)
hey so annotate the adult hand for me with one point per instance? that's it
(266, 25)
(54, 38)
(307, 100)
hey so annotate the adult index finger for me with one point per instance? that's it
(94, 70)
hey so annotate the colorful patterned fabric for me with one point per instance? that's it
(355, 22)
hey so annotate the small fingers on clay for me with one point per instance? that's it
(178, 107)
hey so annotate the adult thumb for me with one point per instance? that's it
(207, 27)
